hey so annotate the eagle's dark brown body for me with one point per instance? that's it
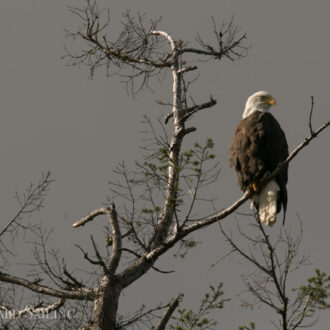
(258, 146)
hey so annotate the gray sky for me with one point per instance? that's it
(55, 118)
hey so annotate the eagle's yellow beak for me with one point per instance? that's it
(271, 101)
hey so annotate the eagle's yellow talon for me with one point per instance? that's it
(254, 187)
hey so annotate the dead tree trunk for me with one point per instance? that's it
(106, 304)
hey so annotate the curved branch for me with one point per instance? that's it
(79, 294)
(90, 217)
(166, 36)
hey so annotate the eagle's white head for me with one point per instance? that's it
(259, 101)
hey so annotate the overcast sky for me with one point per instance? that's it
(55, 118)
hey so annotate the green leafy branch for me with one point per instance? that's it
(317, 290)
(189, 320)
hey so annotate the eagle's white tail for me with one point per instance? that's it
(267, 203)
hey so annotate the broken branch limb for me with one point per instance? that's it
(187, 69)
(168, 313)
(190, 111)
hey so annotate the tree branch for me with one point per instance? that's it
(116, 236)
(310, 116)
(245, 255)
(153, 267)
(99, 262)
(31, 200)
(187, 69)
(168, 313)
(34, 310)
(90, 217)
(192, 110)
(166, 218)
(110, 238)
(79, 294)
(228, 43)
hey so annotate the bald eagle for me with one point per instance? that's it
(258, 146)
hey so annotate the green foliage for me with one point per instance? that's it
(317, 290)
(188, 319)
(198, 155)
(251, 326)
(209, 143)
(184, 246)
(150, 211)
(145, 188)
(191, 168)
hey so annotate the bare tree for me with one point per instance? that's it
(158, 198)
(28, 202)
(275, 259)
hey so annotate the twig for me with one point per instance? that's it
(93, 262)
(190, 111)
(310, 116)
(30, 201)
(98, 255)
(79, 294)
(153, 267)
